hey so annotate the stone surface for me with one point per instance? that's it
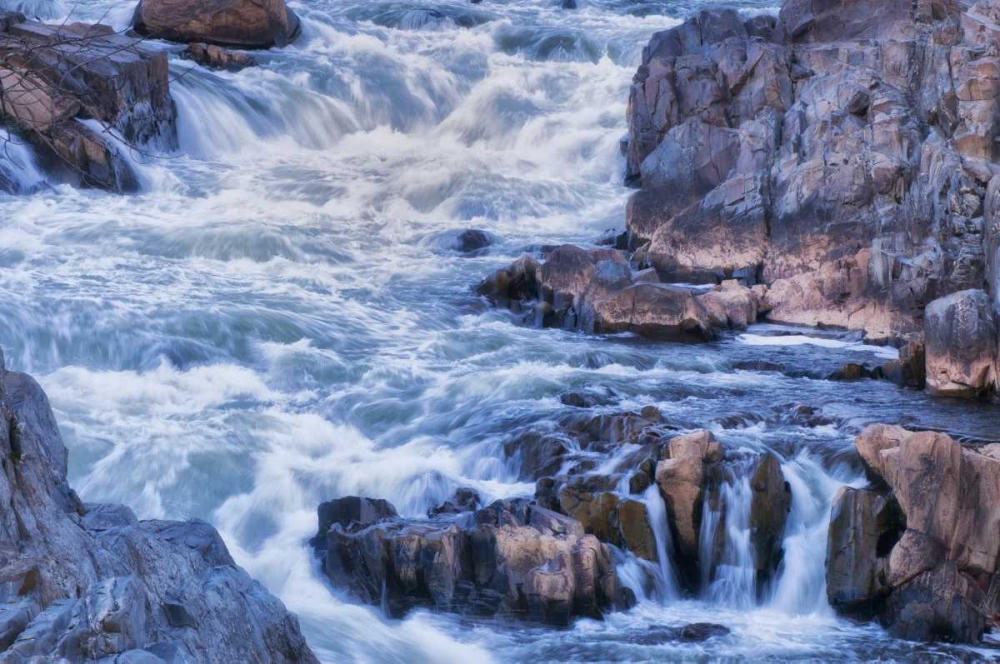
(844, 155)
(680, 479)
(217, 57)
(237, 23)
(510, 559)
(769, 507)
(962, 336)
(86, 582)
(932, 570)
(56, 76)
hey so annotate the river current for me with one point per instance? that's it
(279, 318)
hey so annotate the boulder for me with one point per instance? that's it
(961, 333)
(235, 23)
(769, 507)
(351, 513)
(463, 500)
(935, 564)
(680, 478)
(210, 55)
(92, 582)
(511, 559)
(622, 522)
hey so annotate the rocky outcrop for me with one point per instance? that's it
(511, 559)
(53, 77)
(596, 290)
(920, 550)
(963, 344)
(844, 154)
(236, 23)
(91, 582)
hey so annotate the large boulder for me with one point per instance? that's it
(237, 23)
(962, 344)
(510, 559)
(81, 582)
(620, 521)
(935, 564)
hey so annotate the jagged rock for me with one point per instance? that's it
(910, 369)
(463, 500)
(86, 582)
(938, 575)
(962, 335)
(681, 481)
(237, 23)
(842, 155)
(57, 75)
(351, 513)
(512, 559)
(620, 521)
(217, 57)
(769, 507)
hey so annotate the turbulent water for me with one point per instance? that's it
(279, 318)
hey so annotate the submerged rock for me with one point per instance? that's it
(510, 559)
(237, 23)
(211, 55)
(91, 582)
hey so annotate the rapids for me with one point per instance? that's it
(278, 318)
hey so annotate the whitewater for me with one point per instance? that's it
(280, 317)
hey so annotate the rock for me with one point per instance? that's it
(962, 332)
(681, 481)
(217, 57)
(235, 23)
(59, 75)
(515, 561)
(909, 370)
(769, 507)
(864, 527)
(842, 155)
(472, 240)
(636, 530)
(463, 500)
(88, 582)
(352, 513)
(621, 522)
(698, 632)
(936, 578)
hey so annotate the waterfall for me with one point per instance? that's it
(665, 579)
(19, 173)
(725, 551)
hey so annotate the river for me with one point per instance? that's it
(278, 318)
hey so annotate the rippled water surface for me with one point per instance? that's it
(279, 318)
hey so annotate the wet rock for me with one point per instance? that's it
(236, 23)
(909, 370)
(352, 513)
(620, 521)
(852, 371)
(58, 75)
(697, 632)
(472, 240)
(769, 507)
(594, 290)
(513, 560)
(864, 527)
(91, 582)
(643, 477)
(538, 454)
(210, 55)
(463, 500)
(961, 354)
(681, 481)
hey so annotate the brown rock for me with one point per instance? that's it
(237, 23)
(681, 481)
(769, 507)
(217, 57)
(961, 353)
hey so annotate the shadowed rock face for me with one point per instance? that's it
(844, 154)
(85, 582)
(55, 76)
(962, 344)
(510, 559)
(238, 23)
(920, 550)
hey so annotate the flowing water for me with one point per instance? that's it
(279, 318)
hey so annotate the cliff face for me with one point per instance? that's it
(81, 581)
(844, 153)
